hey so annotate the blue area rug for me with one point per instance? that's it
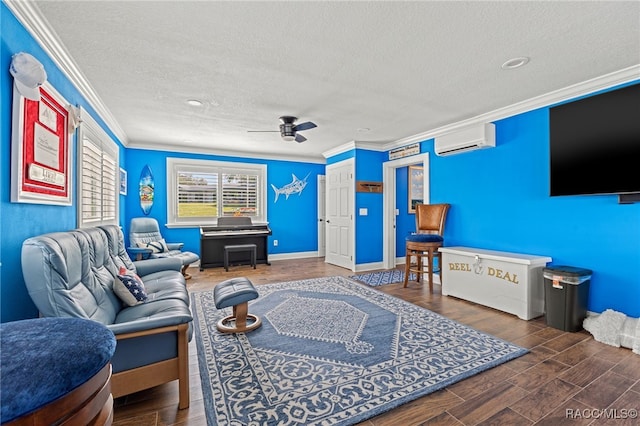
(375, 279)
(331, 352)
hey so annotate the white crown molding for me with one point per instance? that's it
(346, 147)
(32, 19)
(227, 153)
(606, 81)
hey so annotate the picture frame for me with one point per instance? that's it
(415, 188)
(123, 181)
(41, 166)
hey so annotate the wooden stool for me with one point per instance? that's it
(421, 249)
(251, 248)
(236, 292)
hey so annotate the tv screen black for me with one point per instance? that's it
(595, 144)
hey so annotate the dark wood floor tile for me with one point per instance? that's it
(506, 417)
(604, 390)
(579, 352)
(148, 419)
(488, 403)
(613, 354)
(549, 333)
(586, 371)
(571, 413)
(482, 382)
(444, 419)
(417, 411)
(545, 399)
(539, 374)
(624, 411)
(537, 355)
(565, 341)
(629, 366)
(529, 341)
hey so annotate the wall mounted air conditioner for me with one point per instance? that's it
(467, 139)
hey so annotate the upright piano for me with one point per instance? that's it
(232, 231)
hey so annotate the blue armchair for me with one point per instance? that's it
(146, 242)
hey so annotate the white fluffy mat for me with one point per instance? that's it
(615, 329)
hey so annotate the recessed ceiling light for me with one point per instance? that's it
(363, 129)
(194, 102)
(515, 63)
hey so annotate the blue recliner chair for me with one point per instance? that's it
(145, 241)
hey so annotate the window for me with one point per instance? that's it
(97, 175)
(201, 191)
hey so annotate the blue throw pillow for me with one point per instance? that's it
(129, 288)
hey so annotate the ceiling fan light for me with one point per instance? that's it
(288, 137)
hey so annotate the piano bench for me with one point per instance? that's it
(252, 248)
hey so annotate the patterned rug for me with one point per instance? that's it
(375, 279)
(331, 352)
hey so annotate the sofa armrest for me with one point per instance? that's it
(149, 266)
(149, 324)
(175, 246)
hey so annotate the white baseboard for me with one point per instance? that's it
(298, 255)
(362, 267)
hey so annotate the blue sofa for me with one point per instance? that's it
(76, 274)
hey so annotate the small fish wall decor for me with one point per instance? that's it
(295, 187)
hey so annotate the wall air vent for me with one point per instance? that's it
(467, 139)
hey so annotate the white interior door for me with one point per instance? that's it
(322, 215)
(340, 190)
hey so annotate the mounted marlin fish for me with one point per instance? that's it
(296, 186)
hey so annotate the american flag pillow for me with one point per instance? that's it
(129, 288)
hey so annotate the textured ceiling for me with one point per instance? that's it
(397, 69)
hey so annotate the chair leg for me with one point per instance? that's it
(407, 266)
(419, 273)
(185, 273)
(430, 260)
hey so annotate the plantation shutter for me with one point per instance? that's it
(201, 191)
(197, 194)
(97, 176)
(240, 194)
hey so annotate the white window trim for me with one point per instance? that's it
(173, 164)
(90, 129)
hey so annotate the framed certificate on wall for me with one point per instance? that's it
(40, 158)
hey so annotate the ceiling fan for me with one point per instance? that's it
(289, 130)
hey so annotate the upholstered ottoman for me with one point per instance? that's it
(56, 371)
(236, 292)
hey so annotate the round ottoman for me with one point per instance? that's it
(236, 292)
(56, 370)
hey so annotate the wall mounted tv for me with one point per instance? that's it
(595, 144)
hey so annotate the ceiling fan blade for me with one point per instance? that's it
(304, 126)
(300, 138)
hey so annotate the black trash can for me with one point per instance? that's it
(566, 293)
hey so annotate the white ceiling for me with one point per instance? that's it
(398, 69)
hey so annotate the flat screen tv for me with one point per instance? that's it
(595, 144)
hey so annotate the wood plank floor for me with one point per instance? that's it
(567, 378)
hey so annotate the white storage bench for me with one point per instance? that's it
(509, 282)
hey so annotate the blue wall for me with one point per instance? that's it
(294, 221)
(500, 200)
(20, 220)
(368, 167)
